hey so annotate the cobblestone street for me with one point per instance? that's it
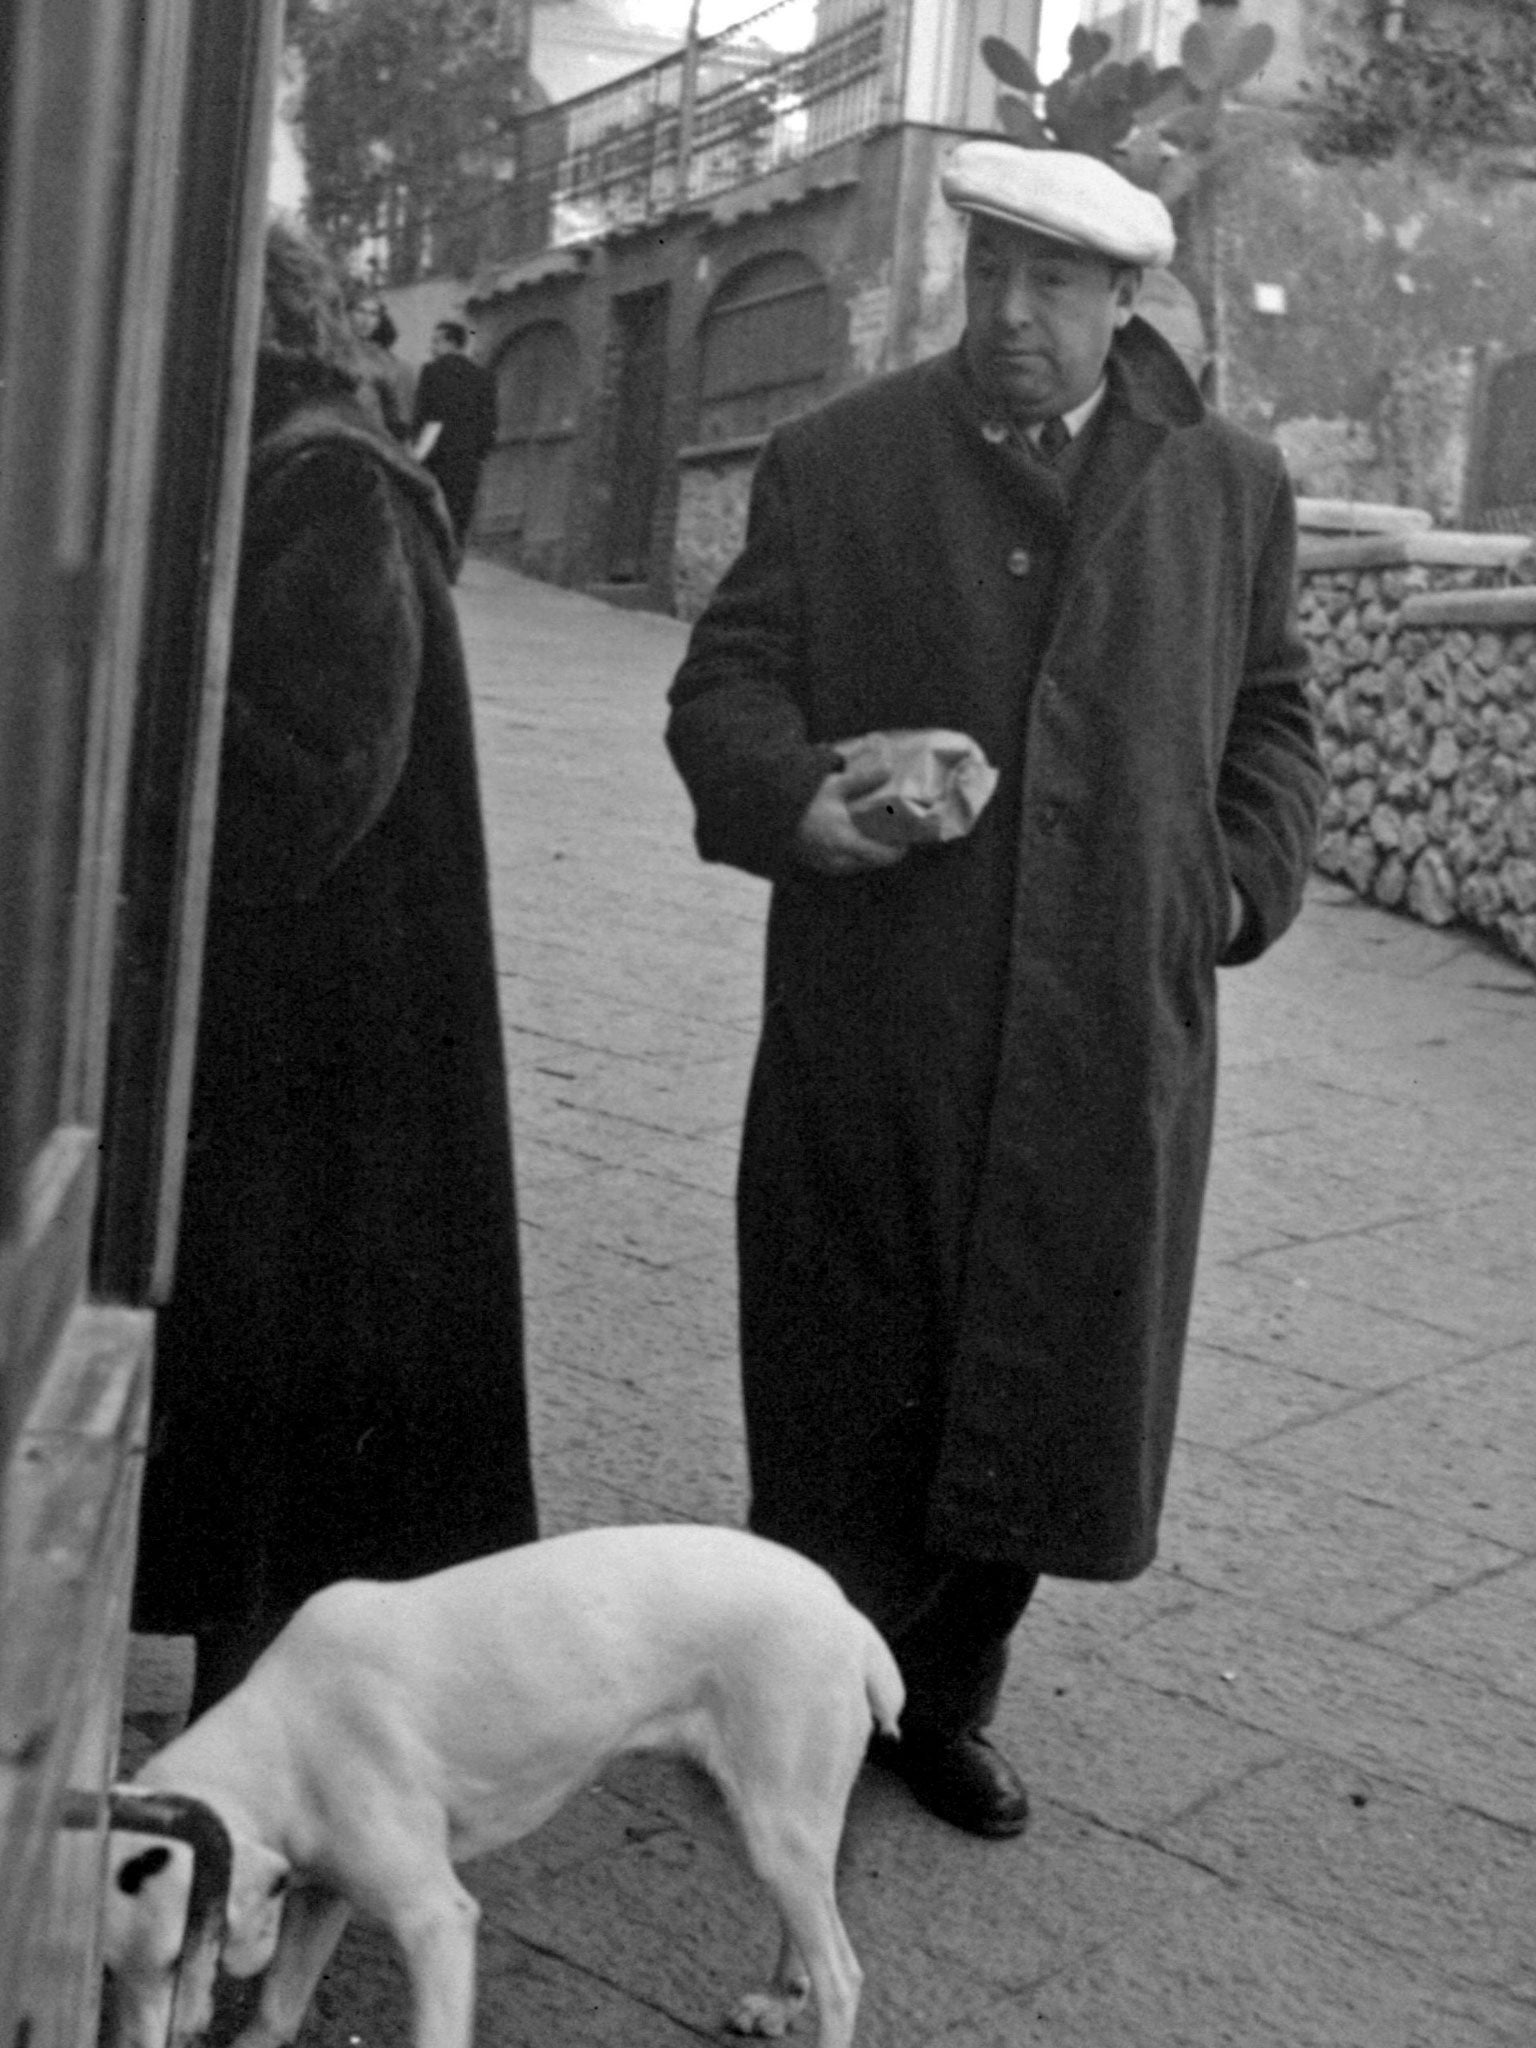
(1285, 1783)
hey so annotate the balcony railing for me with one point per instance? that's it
(733, 108)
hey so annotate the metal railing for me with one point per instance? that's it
(727, 109)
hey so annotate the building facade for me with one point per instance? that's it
(702, 249)
(720, 239)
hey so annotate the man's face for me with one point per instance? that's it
(1039, 317)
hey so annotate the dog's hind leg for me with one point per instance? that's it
(797, 1863)
(770, 2014)
(313, 1919)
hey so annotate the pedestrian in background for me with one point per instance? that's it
(388, 378)
(454, 424)
(339, 1376)
(980, 1118)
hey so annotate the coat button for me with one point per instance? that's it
(1020, 561)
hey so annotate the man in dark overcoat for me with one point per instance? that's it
(454, 423)
(980, 1118)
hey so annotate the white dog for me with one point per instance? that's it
(394, 1730)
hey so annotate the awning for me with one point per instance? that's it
(501, 280)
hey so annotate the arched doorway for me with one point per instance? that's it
(525, 493)
(763, 347)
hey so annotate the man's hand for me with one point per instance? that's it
(828, 840)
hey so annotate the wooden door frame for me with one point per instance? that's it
(132, 189)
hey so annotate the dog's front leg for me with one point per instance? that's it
(313, 1919)
(437, 1934)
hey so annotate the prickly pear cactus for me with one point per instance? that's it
(1161, 127)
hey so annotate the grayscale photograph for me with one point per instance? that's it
(768, 1023)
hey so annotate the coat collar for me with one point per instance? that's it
(1150, 396)
(1037, 489)
(1149, 379)
(339, 419)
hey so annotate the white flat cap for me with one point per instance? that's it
(1064, 195)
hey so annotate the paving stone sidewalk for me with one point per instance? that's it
(1285, 1784)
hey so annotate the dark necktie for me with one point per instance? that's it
(1052, 438)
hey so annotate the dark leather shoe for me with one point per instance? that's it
(962, 1779)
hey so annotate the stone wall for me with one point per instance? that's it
(713, 488)
(1355, 309)
(1424, 645)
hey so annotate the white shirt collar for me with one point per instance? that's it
(1078, 418)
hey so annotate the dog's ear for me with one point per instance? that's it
(144, 1928)
(169, 1876)
(135, 1873)
(258, 1888)
(149, 1885)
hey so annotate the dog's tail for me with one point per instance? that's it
(882, 1683)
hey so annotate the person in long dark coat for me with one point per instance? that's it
(979, 1122)
(454, 423)
(339, 1377)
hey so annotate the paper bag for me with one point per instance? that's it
(937, 784)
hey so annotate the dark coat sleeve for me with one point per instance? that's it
(1270, 788)
(737, 730)
(323, 675)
